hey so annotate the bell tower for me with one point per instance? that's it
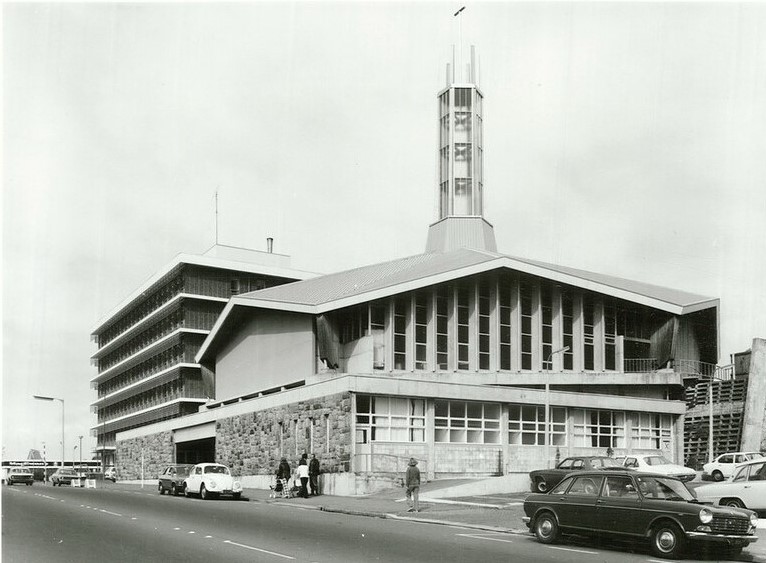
(460, 194)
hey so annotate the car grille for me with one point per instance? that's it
(729, 525)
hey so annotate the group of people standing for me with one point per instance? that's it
(307, 474)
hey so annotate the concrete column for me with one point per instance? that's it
(505, 446)
(430, 444)
(754, 419)
(515, 326)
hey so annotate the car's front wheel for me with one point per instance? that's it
(540, 485)
(717, 475)
(186, 490)
(173, 489)
(732, 502)
(667, 540)
(203, 493)
(547, 528)
(161, 489)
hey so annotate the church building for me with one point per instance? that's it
(475, 362)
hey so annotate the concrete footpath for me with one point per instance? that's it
(501, 513)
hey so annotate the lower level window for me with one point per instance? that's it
(599, 428)
(526, 425)
(461, 422)
(651, 431)
(390, 419)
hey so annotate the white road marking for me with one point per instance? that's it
(484, 537)
(107, 512)
(134, 518)
(191, 532)
(257, 549)
(206, 537)
(575, 550)
(659, 560)
(176, 529)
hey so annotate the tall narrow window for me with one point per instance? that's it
(463, 327)
(484, 324)
(610, 336)
(378, 328)
(588, 314)
(567, 326)
(400, 333)
(421, 331)
(442, 329)
(546, 310)
(525, 300)
(504, 288)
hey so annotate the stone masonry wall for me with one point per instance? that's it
(158, 451)
(253, 443)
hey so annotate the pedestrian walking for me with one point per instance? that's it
(412, 482)
(314, 475)
(302, 473)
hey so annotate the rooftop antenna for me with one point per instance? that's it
(460, 38)
(216, 215)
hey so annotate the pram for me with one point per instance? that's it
(281, 489)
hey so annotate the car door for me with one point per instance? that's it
(194, 480)
(577, 507)
(753, 486)
(618, 508)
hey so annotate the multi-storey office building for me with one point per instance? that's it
(476, 362)
(146, 346)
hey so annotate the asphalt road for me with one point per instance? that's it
(43, 524)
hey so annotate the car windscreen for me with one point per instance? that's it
(663, 488)
(657, 460)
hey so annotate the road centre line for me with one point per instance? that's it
(258, 549)
(482, 537)
(575, 550)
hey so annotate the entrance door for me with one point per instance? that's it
(196, 451)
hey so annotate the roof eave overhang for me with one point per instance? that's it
(411, 285)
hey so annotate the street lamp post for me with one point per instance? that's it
(74, 453)
(41, 398)
(548, 368)
(80, 437)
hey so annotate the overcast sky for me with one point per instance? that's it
(621, 138)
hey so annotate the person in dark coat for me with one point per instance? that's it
(283, 471)
(412, 482)
(314, 475)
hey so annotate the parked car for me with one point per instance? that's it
(657, 463)
(210, 480)
(637, 505)
(541, 480)
(723, 466)
(172, 478)
(110, 474)
(746, 488)
(64, 477)
(19, 475)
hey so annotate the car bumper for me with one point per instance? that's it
(527, 520)
(720, 538)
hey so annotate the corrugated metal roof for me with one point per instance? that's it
(375, 277)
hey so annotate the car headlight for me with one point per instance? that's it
(706, 516)
(212, 484)
(754, 520)
(237, 486)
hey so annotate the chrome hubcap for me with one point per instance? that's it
(666, 540)
(545, 527)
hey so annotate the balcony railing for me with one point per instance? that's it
(639, 365)
(694, 369)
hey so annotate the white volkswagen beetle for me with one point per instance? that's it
(209, 480)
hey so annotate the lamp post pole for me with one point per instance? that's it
(41, 398)
(80, 437)
(74, 452)
(548, 368)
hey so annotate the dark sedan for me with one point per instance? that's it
(542, 480)
(172, 478)
(634, 505)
